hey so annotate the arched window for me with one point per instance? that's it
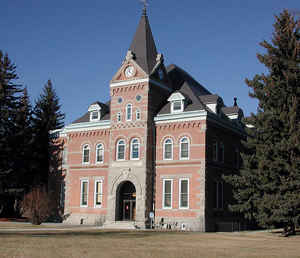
(99, 153)
(184, 148)
(120, 150)
(215, 150)
(138, 114)
(129, 112)
(168, 149)
(135, 149)
(86, 154)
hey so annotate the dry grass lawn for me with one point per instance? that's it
(129, 244)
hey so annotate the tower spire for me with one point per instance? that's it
(143, 46)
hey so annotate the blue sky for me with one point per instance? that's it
(79, 45)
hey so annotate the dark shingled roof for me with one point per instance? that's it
(143, 45)
(105, 114)
(189, 87)
(209, 99)
(231, 110)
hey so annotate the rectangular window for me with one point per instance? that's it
(84, 193)
(121, 152)
(218, 195)
(184, 193)
(167, 193)
(95, 115)
(119, 117)
(98, 193)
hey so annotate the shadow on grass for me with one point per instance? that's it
(106, 234)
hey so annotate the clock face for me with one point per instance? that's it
(129, 71)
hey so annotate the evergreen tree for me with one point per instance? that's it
(47, 116)
(9, 103)
(268, 186)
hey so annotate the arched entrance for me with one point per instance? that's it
(125, 201)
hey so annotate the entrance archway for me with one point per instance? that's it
(125, 201)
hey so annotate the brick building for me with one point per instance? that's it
(161, 143)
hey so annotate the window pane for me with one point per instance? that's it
(84, 193)
(184, 194)
(121, 154)
(168, 151)
(167, 193)
(98, 193)
(129, 112)
(86, 155)
(135, 149)
(177, 105)
(184, 150)
(95, 115)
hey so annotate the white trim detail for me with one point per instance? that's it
(188, 193)
(181, 117)
(171, 194)
(135, 81)
(82, 181)
(87, 126)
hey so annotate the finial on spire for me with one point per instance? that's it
(144, 2)
(235, 101)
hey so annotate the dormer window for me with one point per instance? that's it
(94, 110)
(95, 115)
(177, 106)
(177, 102)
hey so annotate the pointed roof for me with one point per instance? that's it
(143, 45)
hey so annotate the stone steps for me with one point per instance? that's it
(120, 225)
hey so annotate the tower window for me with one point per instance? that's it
(135, 149)
(138, 114)
(119, 117)
(129, 112)
(121, 150)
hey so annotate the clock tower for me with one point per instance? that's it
(138, 90)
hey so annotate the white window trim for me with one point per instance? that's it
(129, 104)
(83, 162)
(117, 150)
(163, 199)
(131, 149)
(189, 146)
(87, 194)
(95, 193)
(99, 162)
(136, 114)
(188, 193)
(164, 143)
